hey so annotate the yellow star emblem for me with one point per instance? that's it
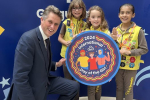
(1, 30)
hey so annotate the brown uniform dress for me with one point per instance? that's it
(125, 78)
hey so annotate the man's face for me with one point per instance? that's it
(50, 24)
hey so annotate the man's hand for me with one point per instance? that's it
(61, 62)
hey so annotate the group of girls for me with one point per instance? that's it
(129, 37)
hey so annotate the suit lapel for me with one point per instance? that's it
(42, 46)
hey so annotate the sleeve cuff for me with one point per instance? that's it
(55, 67)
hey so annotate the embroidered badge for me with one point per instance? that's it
(93, 58)
(70, 31)
(132, 59)
(133, 42)
(127, 62)
(132, 47)
(131, 65)
(122, 64)
(68, 22)
(123, 57)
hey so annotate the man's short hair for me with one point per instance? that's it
(53, 9)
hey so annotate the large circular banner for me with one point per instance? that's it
(93, 58)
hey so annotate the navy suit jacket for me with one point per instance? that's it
(30, 74)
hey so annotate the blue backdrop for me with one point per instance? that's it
(18, 16)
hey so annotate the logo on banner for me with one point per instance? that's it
(5, 87)
(93, 58)
(139, 79)
(1, 30)
(68, 1)
(64, 13)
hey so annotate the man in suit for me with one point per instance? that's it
(32, 65)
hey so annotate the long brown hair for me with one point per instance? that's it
(104, 24)
(72, 4)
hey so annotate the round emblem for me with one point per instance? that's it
(124, 42)
(131, 65)
(93, 58)
(132, 47)
(132, 59)
(122, 64)
(127, 62)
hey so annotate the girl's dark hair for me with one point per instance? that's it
(130, 5)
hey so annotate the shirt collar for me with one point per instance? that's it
(76, 20)
(43, 35)
(92, 28)
(132, 24)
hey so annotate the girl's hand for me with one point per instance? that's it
(124, 51)
(82, 31)
(114, 34)
(114, 31)
(74, 36)
(67, 43)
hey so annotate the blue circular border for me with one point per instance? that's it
(119, 59)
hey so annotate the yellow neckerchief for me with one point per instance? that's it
(73, 25)
(122, 44)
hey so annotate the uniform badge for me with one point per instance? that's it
(68, 22)
(133, 42)
(124, 42)
(131, 65)
(127, 62)
(123, 58)
(129, 43)
(132, 47)
(132, 59)
(122, 64)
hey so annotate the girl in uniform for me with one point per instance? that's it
(96, 21)
(72, 26)
(132, 44)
